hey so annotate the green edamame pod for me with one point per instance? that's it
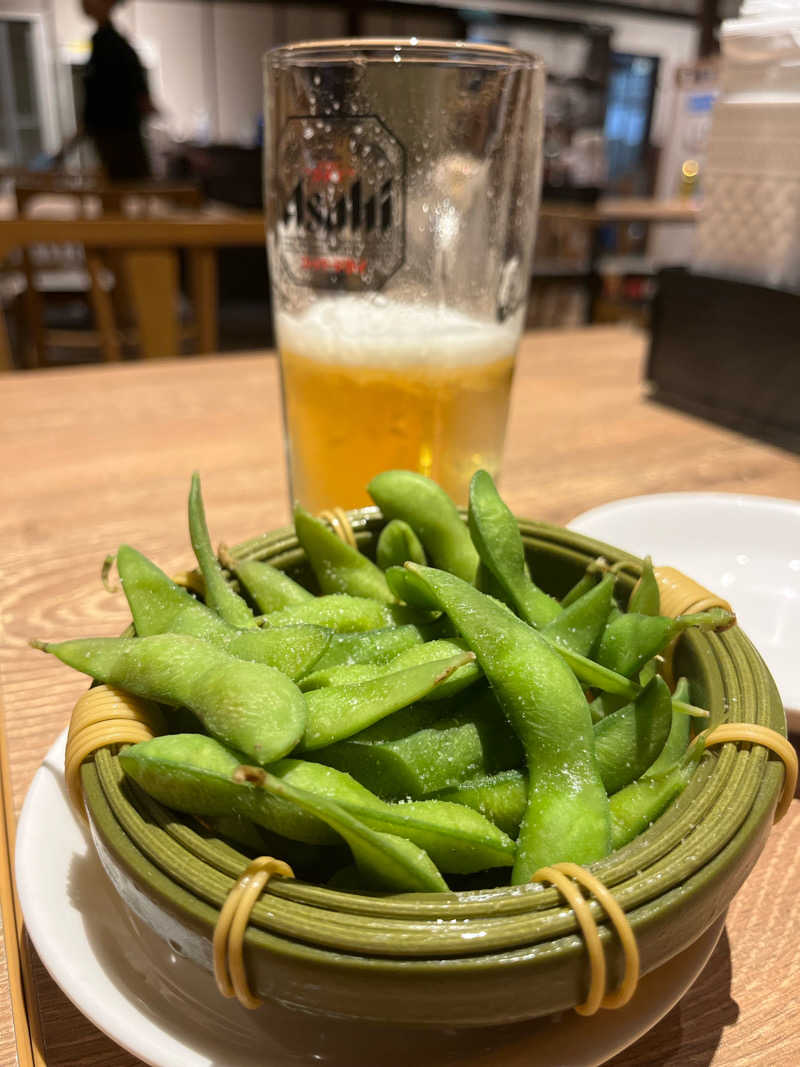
(678, 738)
(639, 804)
(596, 675)
(501, 798)
(428, 652)
(587, 670)
(580, 625)
(269, 588)
(567, 810)
(421, 754)
(195, 774)
(336, 712)
(370, 646)
(606, 704)
(249, 706)
(496, 536)
(187, 772)
(649, 671)
(311, 862)
(432, 515)
(628, 740)
(219, 595)
(486, 582)
(646, 598)
(586, 582)
(631, 639)
(384, 860)
(314, 863)
(342, 613)
(160, 606)
(397, 543)
(344, 674)
(237, 829)
(458, 842)
(622, 745)
(396, 726)
(339, 568)
(293, 650)
(440, 649)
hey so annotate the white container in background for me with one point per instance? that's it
(749, 228)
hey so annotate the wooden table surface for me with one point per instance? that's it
(92, 456)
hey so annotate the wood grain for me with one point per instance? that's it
(93, 456)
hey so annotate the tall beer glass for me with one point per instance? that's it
(402, 185)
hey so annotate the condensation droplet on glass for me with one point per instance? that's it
(425, 207)
(336, 105)
(316, 79)
(327, 127)
(358, 129)
(414, 40)
(308, 133)
(312, 99)
(396, 58)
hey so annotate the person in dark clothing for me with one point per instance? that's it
(117, 100)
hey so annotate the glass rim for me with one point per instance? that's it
(411, 50)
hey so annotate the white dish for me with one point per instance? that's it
(167, 1011)
(746, 548)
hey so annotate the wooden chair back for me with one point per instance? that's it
(147, 252)
(112, 286)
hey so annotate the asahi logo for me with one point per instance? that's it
(342, 210)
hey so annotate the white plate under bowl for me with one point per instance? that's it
(746, 548)
(167, 1011)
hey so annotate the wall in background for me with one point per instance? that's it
(204, 57)
(674, 41)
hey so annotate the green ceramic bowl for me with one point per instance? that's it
(472, 958)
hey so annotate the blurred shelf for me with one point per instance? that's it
(552, 270)
(621, 264)
(623, 209)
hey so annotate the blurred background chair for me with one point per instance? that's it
(78, 298)
(146, 253)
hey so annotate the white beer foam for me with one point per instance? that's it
(378, 331)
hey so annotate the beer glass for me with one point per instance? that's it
(402, 186)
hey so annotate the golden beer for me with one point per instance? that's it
(375, 386)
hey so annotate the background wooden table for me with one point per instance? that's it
(93, 456)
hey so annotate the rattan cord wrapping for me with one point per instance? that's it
(681, 595)
(229, 969)
(338, 521)
(104, 716)
(771, 739)
(567, 878)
